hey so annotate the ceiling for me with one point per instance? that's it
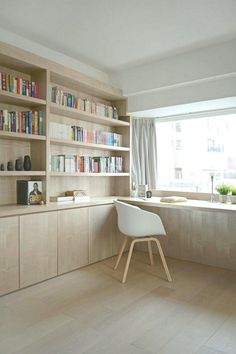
(116, 34)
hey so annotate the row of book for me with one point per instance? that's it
(80, 134)
(96, 164)
(18, 85)
(69, 100)
(29, 122)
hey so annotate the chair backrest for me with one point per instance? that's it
(133, 221)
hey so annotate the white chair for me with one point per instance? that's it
(140, 225)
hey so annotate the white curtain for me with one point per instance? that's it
(144, 153)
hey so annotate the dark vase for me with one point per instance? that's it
(27, 163)
(9, 166)
(2, 167)
(18, 165)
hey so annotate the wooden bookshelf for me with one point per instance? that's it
(88, 145)
(22, 173)
(21, 136)
(46, 73)
(88, 174)
(21, 100)
(85, 116)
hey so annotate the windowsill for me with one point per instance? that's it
(188, 195)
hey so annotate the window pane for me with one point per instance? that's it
(190, 151)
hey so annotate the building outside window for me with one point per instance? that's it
(207, 146)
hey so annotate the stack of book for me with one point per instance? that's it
(18, 85)
(96, 164)
(67, 99)
(29, 122)
(78, 196)
(76, 133)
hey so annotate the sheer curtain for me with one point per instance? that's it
(144, 154)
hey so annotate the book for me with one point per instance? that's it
(173, 199)
(62, 199)
(82, 199)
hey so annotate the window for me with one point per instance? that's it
(178, 127)
(207, 146)
(178, 145)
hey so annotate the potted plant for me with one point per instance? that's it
(233, 195)
(223, 190)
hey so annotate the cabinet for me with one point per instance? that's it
(102, 230)
(38, 247)
(14, 145)
(9, 255)
(73, 239)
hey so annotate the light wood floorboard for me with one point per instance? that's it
(89, 311)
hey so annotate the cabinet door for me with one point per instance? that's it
(38, 247)
(9, 255)
(102, 229)
(73, 239)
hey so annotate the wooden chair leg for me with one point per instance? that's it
(121, 252)
(128, 261)
(150, 252)
(163, 260)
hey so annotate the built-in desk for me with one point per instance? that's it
(188, 205)
(198, 231)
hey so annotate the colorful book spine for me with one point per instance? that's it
(80, 134)
(89, 164)
(11, 83)
(29, 122)
(68, 99)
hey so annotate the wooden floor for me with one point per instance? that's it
(90, 311)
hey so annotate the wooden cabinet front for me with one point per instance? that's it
(102, 230)
(38, 247)
(9, 255)
(73, 239)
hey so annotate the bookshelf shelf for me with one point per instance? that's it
(88, 145)
(21, 173)
(16, 99)
(88, 174)
(21, 136)
(85, 116)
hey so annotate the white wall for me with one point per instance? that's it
(199, 75)
(23, 43)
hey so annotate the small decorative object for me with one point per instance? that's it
(133, 192)
(27, 163)
(2, 167)
(9, 166)
(223, 190)
(212, 187)
(29, 192)
(233, 195)
(142, 189)
(149, 194)
(18, 165)
(115, 113)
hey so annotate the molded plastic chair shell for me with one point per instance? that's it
(141, 225)
(136, 222)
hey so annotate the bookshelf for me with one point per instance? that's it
(89, 174)
(46, 74)
(85, 116)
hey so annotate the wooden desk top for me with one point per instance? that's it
(189, 204)
(16, 210)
